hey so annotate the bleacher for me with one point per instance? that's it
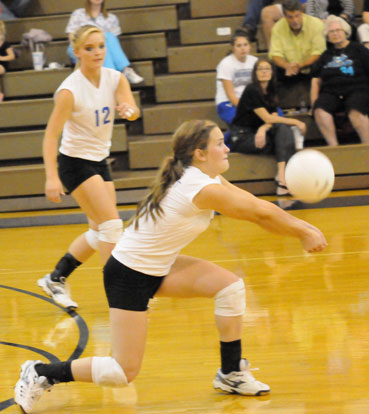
(175, 45)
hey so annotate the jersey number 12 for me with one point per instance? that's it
(104, 116)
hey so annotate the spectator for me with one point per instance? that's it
(323, 8)
(297, 41)
(257, 129)
(363, 29)
(340, 82)
(233, 74)
(268, 12)
(252, 17)
(269, 16)
(342, 8)
(94, 13)
(11, 9)
(6, 53)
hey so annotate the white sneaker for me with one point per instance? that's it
(240, 382)
(30, 386)
(132, 76)
(59, 291)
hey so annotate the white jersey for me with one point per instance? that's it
(239, 73)
(154, 247)
(88, 131)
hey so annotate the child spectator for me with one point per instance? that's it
(233, 74)
(95, 13)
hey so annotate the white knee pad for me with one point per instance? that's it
(231, 301)
(107, 372)
(92, 238)
(110, 230)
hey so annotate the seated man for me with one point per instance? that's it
(297, 41)
(269, 16)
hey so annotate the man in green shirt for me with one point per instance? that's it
(297, 41)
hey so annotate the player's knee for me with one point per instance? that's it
(92, 238)
(131, 372)
(110, 230)
(107, 372)
(231, 301)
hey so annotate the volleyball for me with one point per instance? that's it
(309, 176)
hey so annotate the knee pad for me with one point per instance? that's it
(231, 301)
(92, 238)
(110, 230)
(106, 372)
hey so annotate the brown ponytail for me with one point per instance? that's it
(191, 135)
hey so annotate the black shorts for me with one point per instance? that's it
(333, 103)
(128, 289)
(74, 171)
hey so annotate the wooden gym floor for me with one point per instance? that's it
(306, 326)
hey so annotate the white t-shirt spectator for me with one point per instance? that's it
(81, 18)
(230, 68)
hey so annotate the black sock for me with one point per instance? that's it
(231, 355)
(56, 371)
(64, 267)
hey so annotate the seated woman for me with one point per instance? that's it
(341, 82)
(257, 129)
(94, 13)
(233, 74)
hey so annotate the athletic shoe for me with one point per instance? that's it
(59, 291)
(132, 76)
(240, 382)
(30, 386)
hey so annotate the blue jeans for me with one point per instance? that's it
(15, 9)
(114, 58)
(253, 12)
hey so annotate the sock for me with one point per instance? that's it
(64, 267)
(56, 371)
(231, 355)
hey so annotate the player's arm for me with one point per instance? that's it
(229, 90)
(239, 204)
(62, 109)
(126, 106)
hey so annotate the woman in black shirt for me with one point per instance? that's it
(257, 128)
(341, 82)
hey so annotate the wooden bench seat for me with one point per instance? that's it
(350, 163)
(197, 31)
(138, 20)
(31, 112)
(49, 7)
(206, 8)
(199, 58)
(137, 47)
(22, 145)
(185, 87)
(45, 82)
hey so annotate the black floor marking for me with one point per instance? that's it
(350, 201)
(82, 342)
(53, 220)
